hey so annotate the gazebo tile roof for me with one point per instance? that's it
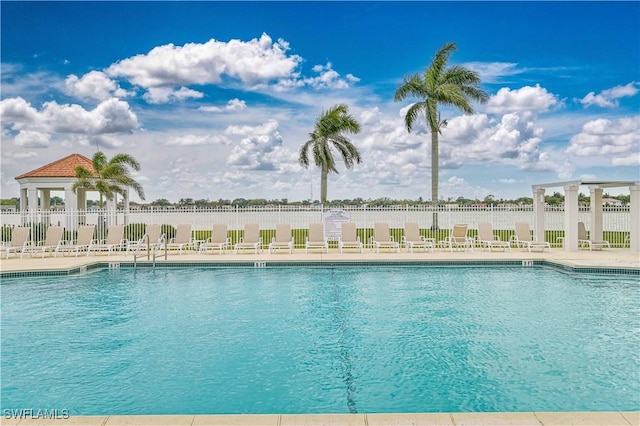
(65, 167)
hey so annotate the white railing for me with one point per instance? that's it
(616, 220)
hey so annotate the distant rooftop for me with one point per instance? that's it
(65, 167)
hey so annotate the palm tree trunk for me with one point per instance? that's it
(323, 186)
(435, 201)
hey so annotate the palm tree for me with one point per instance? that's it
(455, 86)
(109, 178)
(328, 133)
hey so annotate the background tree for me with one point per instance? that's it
(109, 178)
(328, 135)
(455, 86)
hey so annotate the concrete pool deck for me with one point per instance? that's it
(605, 259)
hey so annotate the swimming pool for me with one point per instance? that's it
(330, 340)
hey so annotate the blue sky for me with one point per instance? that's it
(215, 98)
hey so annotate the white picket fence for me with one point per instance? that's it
(616, 220)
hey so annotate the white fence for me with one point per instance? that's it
(616, 220)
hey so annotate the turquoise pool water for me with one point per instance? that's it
(304, 340)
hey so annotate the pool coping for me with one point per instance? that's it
(98, 264)
(610, 418)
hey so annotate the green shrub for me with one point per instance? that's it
(134, 231)
(169, 231)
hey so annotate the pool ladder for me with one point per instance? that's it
(149, 253)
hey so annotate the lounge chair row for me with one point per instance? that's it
(155, 239)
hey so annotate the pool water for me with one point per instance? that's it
(316, 340)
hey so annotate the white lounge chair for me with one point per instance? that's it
(487, 239)
(412, 238)
(52, 241)
(458, 238)
(182, 240)
(218, 240)
(316, 238)
(583, 239)
(251, 238)
(115, 241)
(19, 240)
(283, 238)
(382, 238)
(82, 243)
(349, 237)
(153, 239)
(523, 238)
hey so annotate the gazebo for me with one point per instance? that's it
(57, 176)
(571, 210)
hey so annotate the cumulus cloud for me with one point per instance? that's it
(261, 148)
(251, 152)
(32, 139)
(609, 97)
(110, 116)
(32, 128)
(527, 98)
(193, 140)
(234, 105)
(251, 62)
(162, 95)
(93, 85)
(329, 78)
(263, 129)
(616, 139)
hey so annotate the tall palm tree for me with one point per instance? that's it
(328, 134)
(109, 178)
(455, 86)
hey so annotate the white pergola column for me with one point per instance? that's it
(24, 200)
(70, 198)
(596, 214)
(32, 198)
(46, 199)
(538, 213)
(635, 217)
(571, 218)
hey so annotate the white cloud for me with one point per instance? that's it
(70, 122)
(263, 129)
(32, 139)
(192, 140)
(162, 95)
(110, 116)
(491, 72)
(234, 105)
(93, 85)
(609, 97)
(253, 62)
(252, 152)
(527, 98)
(507, 181)
(328, 78)
(16, 113)
(618, 139)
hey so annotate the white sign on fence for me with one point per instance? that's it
(333, 220)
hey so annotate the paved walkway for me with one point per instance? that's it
(435, 419)
(615, 258)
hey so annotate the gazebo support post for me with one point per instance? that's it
(595, 198)
(538, 213)
(635, 217)
(571, 217)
